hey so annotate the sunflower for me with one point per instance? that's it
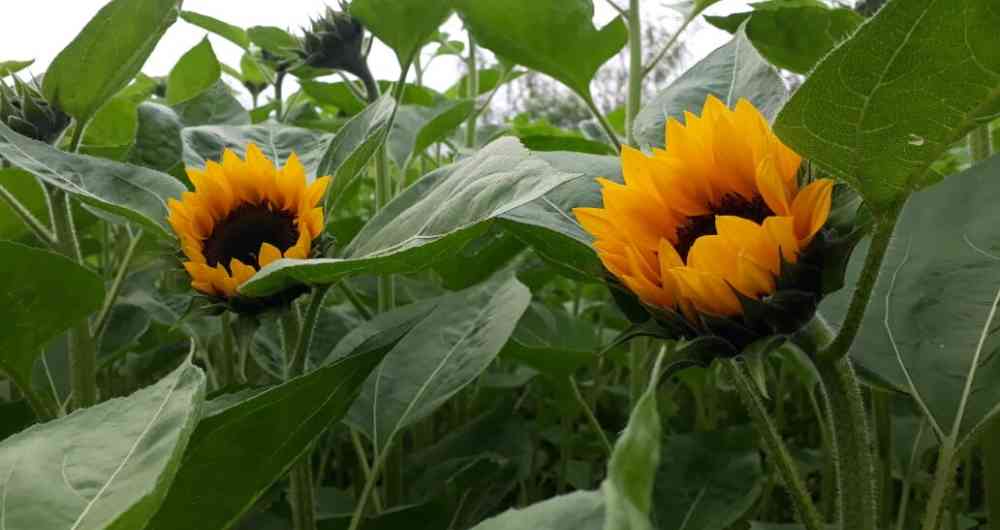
(711, 222)
(243, 215)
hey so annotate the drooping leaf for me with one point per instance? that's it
(32, 304)
(215, 484)
(793, 34)
(930, 327)
(732, 72)
(96, 65)
(707, 481)
(195, 72)
(417, 128)
(453, 344)
(108, 466)
(438, 214)
(405, 25)
(232, 33)
(583, 510)
(555, 37)
(11, 67)
(859, 115)
(136, 193)
(548, 223)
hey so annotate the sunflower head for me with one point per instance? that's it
(334, 41)
(717, 235)
(25, 110)
(242, 215)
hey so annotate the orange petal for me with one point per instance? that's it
(314, 193)
(781, 231)
(267, 254)
(811, 209)
(773, 188)
(709, 293)
(241, 272)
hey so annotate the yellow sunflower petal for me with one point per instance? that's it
(781, 231)
(647, 291)
(596, 222)
(241, 271)
(262, 173)
(773, 187)
(291, 182)
(314, 193)
(612, 255)
(751, 239)
(708, 293)
(301, 248)
(811, 209)
(267, 254)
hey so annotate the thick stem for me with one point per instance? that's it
(943, 482)
(609, 131)
(302, 495)
(980, 143)
(473, 89)
(224, 366)
(635, 73)
(362, 455)
(301, 356)
(279, 104)
(775, 446)
(635, 375)
(882, 236)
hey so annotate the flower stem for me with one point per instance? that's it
(943, 482)
(101, 323)
(980, 143)
(775, 446)
(587, 411)
(609, 131)
(37, 227)
(279, 80)
(885, 225)
(302, 495)
(224, 371)
(635, 72)
(473, 89)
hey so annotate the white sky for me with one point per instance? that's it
(39, 29)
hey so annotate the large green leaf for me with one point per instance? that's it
(269, 428)
(583, 510)
(276, 141)
(930, 327)
(105, 467)
(215, 106)
(195, 72)
(553, 341)
(417, 128)
(106, 55)
(136, 193)
(861, 115)
(438, 214)
(732, 72)
(232, 33)
(548, 223)
(402, 24)
(32, 304)
(707, 481)
(113, 129)
(793, 34)
(632, 470)
(158, 142)
(29, 192)
(450, 347)
(555, 37)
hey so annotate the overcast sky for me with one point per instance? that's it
(38, 29)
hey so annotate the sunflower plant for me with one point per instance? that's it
(595, 279)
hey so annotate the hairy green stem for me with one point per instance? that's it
(101, 323)
(37, 227)
(980, 143)
(302, 495)
(224, 366)
(366, 470)
(355, 300)
(609, 131)
(635, 74)
(883, 432)
(775, 446)
(885, 225)
(302, 345)
(473, 89)
(591, 418)
(279, 104)
(944, 481)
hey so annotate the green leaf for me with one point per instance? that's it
(276, 141)
(450, 347)
(232, 33)
(732, 72)
(272, 39)
(567, 143)
(628, 490)
(195, 72)
(417, 128)
(793, 34)
(158, 142)
(105, 467)
(11, 67)
(859, 115)
(404, 25)
(340, 96)
(479, 259)
(215, 106)
(931, 325)
(552, 341)
(548, 223)
(32, 304)
(438, 214)
(112, 131)
(352, 147)
(96, 66)
(707, 481)
(136, 193)
(25, 187)
(555, 37)
(582, 510)
(215, 485)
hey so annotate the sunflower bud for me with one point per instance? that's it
(724, 236)
(23, 109)
(335, 41)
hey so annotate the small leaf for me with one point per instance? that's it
(195, 72)
(108, 466)
(136, 193)
(555, 37)
(94, 66)
(438, 214)
(32, 308)
(404, 25)
(232, 33)
(340, 96)
(417, 128)
(11, 67)
(272, 39)
(734, 71)
(857, 114)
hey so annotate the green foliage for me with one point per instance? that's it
(404, 25)
(233, 34)
(628, 490)
(195, 72)
(858, 115)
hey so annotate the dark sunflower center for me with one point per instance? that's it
(242, 232)
(734, 204)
